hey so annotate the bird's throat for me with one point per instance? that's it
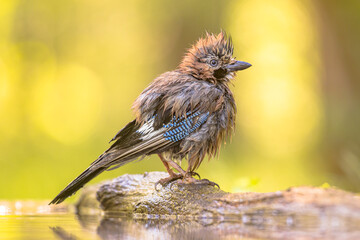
(220, 73)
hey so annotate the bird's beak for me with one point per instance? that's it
(238, 65)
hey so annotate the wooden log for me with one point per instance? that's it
(325, 210)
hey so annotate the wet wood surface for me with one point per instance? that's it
(324, 211)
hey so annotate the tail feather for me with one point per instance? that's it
(127, 148)
(77, 183)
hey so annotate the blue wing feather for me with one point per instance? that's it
(180, 128)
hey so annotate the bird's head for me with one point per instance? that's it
(211, 59)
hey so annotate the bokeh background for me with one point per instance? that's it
(70, 70)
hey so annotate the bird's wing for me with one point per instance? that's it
(136, 140)
(149, 138)
(180, 128)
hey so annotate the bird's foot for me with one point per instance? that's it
(166, 181)
(191, 180)
(193, 174)
(187, 179)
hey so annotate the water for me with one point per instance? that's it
(37, 220)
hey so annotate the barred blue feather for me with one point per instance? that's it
(180, 128)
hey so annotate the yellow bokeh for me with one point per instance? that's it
(278, 97)
(69, 72)
(9, 89)
(66, 102)
(4, 85)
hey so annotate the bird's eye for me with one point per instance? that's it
(213, 63)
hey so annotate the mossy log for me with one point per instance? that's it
(296, 208)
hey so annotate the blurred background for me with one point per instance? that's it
(70, 70)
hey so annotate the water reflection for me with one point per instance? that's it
(115, 228)
(35, 220)
(62, 234)
(182, 228)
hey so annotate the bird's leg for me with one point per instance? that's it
(173, 176)
(177, 167)
(189, 179)
(186, 176)
(166, 164)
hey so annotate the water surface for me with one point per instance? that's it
(37, 220)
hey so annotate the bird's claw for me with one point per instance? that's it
(165, 181)
(208, 182)
(195, 174)
(156, 184)
(187, 179)
(191, 180)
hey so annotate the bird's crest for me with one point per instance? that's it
(197, 59)
(219, 45)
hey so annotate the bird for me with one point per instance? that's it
(186, 114)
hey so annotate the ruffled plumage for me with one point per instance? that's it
(183, 114)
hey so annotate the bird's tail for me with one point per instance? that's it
(78, 183)
(130, 143)
(111, 159)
